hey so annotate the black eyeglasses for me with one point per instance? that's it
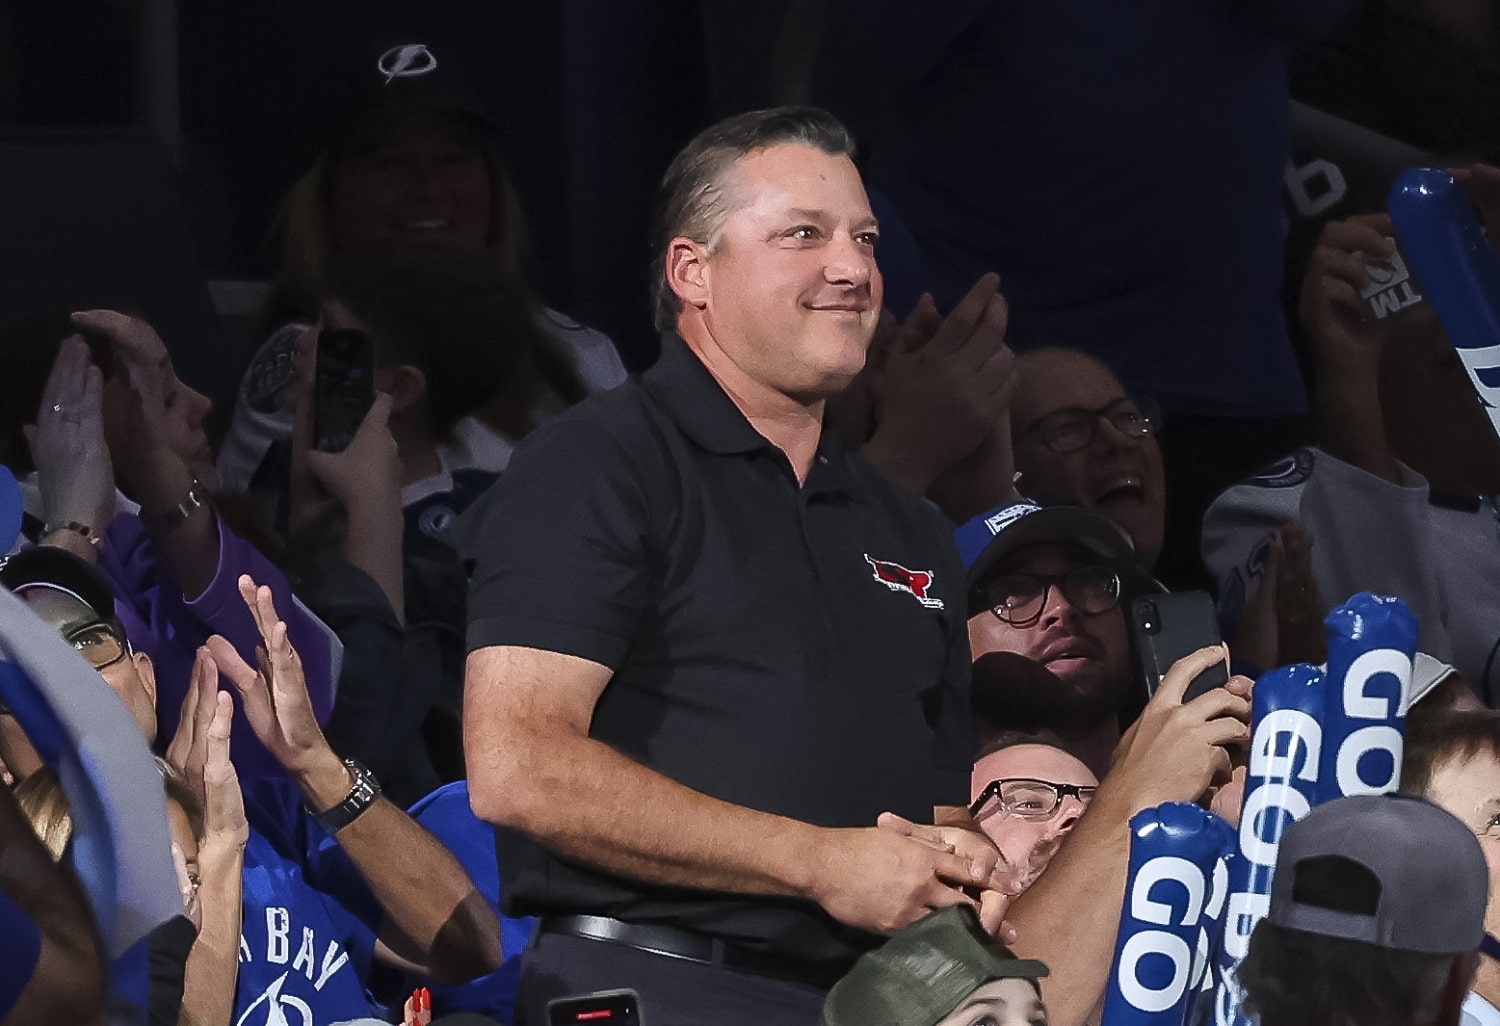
(1071, 430)
(102, 643)
(1018, 599)
(1027, 798)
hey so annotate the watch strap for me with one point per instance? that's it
(195, 499)
(360, 797)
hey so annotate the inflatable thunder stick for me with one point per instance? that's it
(1173, 851)
(1371, 641)
(1442, 239)
(1286, 750)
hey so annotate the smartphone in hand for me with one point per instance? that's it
(343, 387)
(1168, 627)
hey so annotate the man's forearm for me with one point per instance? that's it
(1350, 424)
(584, 800)
(1069, 917)
(441, 920)
(212, 969)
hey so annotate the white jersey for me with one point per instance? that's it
(260, 417)
(1441, 557)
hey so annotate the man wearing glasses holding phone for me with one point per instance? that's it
(1050, 648)
(1045, 585)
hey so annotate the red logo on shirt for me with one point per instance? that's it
(897, 578)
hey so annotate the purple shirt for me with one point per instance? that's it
(169, 627)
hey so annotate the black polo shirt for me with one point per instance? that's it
(801, 651)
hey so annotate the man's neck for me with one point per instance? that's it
(1094, 746)
(793, 426)
(1487, 981)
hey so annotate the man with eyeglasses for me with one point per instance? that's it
(335, 876)
(1044, 599)
(1081, 440)
(1045, 585)
(1028, 793)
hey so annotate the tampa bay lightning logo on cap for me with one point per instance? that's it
(407, 61)
(1003, 518)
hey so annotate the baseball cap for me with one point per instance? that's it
(46, 566)
(923, 972)
(1427, 672)
(1390, 870)
(375, 80)
(989, 537)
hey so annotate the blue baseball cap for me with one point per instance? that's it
(10, 509)
(989, 537)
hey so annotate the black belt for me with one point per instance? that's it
(670, 942)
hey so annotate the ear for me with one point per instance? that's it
(687, 271)
(405, 384)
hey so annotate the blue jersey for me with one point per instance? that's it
(309, 920)
(446, 814)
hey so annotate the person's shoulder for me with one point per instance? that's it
(625, 422)
(593, 354)
(1273, 490)
(912, 513)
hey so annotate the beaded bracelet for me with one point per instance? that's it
(88, 533)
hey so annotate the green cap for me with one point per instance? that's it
(924, 972)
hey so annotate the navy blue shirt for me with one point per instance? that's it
(1120, 166)
(797, 650)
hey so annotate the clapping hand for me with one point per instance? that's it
(67, 443)
(274, 693)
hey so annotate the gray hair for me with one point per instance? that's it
(691, 202)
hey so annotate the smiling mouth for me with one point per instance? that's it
(429, 225)
(1126, 488)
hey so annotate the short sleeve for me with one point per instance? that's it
(558, 547)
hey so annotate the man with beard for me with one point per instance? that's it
(1049, 641)
(1046, 630)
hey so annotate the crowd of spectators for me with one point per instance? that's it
(795, 679)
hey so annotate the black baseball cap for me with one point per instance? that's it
(46, 566)
(376, 81)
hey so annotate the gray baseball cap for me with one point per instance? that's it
(1390, 870)
(923, 972)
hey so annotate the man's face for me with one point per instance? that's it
(130, 676)
(1119, 476)
(1087, 653)
(1028, 840)
(789, 290)
(182, 413)
(1470, 790)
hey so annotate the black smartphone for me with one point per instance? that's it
(610, 1007)
(344, 387)
(1170, 626)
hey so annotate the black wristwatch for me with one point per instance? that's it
(361, 796)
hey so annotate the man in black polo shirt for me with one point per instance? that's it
(709, 648)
